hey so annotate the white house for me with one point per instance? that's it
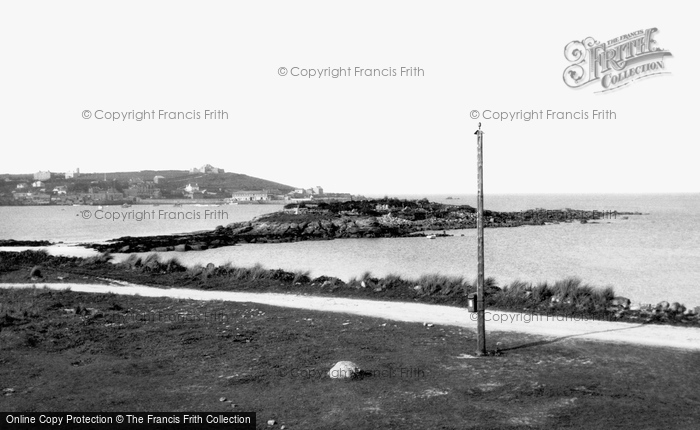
(62, 189)
(42, 176)
(250, 196)
(73, 173)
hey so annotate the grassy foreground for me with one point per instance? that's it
(68, 351)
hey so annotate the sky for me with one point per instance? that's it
(370, 135)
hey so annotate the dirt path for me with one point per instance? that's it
(553, 327)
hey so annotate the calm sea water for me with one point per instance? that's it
(647, 258)
(91, 223)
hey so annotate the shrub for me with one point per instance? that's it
(446, 285)
(301, 276)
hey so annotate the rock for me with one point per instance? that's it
(328, 281)
(222, 399)
(8, 390)
(151, 262)
(160, 249)
(418, 289)
(180, 248)
(209, 270)
(271, 422)
(35, 272)
(662, 305)
(675, 307)
(345, 370)
(124, 249)
(635, 307)
(621, 301)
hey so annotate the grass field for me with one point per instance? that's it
(62, 350)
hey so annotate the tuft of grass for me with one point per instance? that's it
(393, 281)
(301, 276)
(444, 285)
(102, 258)
(569, 294)
(174, 265)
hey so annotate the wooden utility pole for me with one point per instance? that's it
(480, 327)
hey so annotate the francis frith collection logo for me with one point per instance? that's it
(615, 63)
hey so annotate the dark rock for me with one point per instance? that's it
(328, 281)
(676, 307)
(623, 302)
(35, 272)
(151, 262)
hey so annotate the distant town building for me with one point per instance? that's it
(207, 168)
(191, 188)
(240, 196)
(42, 176)
(22, 186)
(33, 198)
(37, 184)
(97, 195)
(142, 190)
(305, 194)
(72, 173)
(61, 189)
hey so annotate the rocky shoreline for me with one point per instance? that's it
(12, 242)
(388, 218)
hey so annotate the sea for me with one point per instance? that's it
(648, 258)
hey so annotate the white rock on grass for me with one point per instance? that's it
(344, 370)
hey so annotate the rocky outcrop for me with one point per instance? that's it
(12, 242)
(263, 231)
(340, 223)
(221, 236)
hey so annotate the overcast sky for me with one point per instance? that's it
(371, 135)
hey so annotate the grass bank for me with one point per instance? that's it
(569, 297)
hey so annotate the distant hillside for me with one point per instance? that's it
(180, 178)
